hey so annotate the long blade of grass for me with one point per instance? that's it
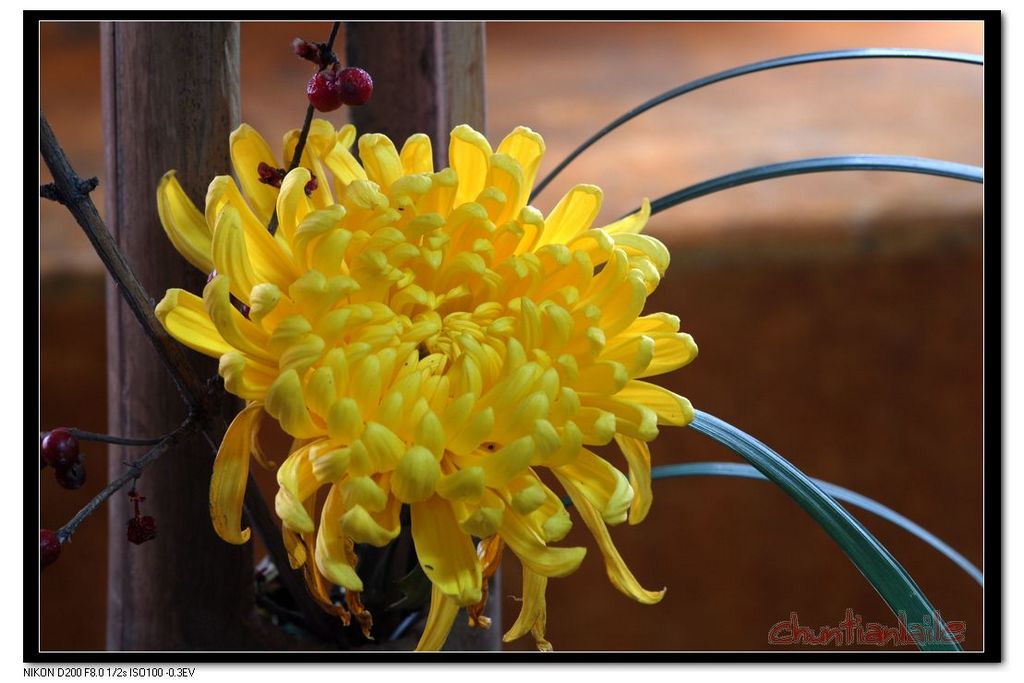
(847, 162)
(735, 469)
(877, 564)
(778, 62)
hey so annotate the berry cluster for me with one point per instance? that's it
(60, 451)
(332, 85)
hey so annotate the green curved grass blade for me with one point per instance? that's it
(877, 564)
(738, 470)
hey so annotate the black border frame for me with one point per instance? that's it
(993, 349)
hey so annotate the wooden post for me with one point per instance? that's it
(170, 100)
(428, 78)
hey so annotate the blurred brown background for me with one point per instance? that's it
(839, 316)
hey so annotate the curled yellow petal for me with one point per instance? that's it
(230, 255)
(332, 556)
(183, 223)
(285, 403)
(533, 615)
(446, 554)
(527, 148)
(248, 151)
(529, 544)
(440, 618)
(417, 155)
(631, 224)
(231, 475)
(671, 408)
(469, 156)
(573, 214)
(416, 475)
(184, 317)
(292, 203)
(638, 458)
(604, 486)
(618, 572)
(380, 159)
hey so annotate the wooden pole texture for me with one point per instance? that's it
(170, 100)
(428, 78)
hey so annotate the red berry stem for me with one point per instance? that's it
(272, 227)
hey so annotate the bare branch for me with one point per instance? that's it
(304, 133)
(135, 468)
(68, 188)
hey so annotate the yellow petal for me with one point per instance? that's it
(416, 475)
(646, 247)
(286, 403)
(446, 554)
(604, 486)
(574, 214)
(231, 475)
(527, 148)
(469, 155)
(230, 323)
(672, 350)
(269, 259)
(297, 485)
(618, 572)
(528, 543)
(344, 167)
(292, 203)
(440, 618)
(346, 135)
(671, 408)
(638, 457)
(633, 223)
(320, 140)
(376, 529)
(184, 317)
(464, 484)
(533, 615)
(245, 377)
(183, 223)
(248, 149)
(331, 554)
(417, 155)
(380, 159)
(506, 175)
(506, 463)
(230, 255)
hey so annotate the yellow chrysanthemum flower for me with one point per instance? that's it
(428, 340)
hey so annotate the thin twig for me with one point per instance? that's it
(135, 468)
(304, 133)
(68, 187)
(83, 435)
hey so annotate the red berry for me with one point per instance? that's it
(59, 448)
(141, 529)
(72, 476)
(49, 547)
(323, 92)
(356, 86)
